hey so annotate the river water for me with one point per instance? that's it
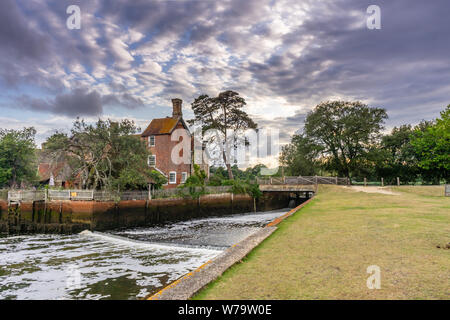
(124, 264)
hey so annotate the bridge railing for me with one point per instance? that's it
(302, 180)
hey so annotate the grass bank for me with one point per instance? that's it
(323, 250)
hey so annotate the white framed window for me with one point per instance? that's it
(172, 177)
(151, 141)
(152, 161)
(183, 177)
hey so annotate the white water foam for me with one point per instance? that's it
(145, 245)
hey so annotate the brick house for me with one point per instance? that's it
(162, 138)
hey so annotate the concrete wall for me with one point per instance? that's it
(75, 216)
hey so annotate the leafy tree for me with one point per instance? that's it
(345, 133)
(395, 156)
(223, 113)
(253, 172)
(244, 187)
(300, 156)
(104, 155)
(198, 179)
(432, 148)
(158, 179)
(17, 157)
(219, 175)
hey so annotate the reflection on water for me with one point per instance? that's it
(125, 264)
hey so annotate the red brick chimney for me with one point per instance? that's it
(177, 113)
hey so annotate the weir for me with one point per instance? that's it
(148, 245)
(129, 263)
(70, 216)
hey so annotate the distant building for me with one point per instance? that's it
(56, 174)
(161, 140)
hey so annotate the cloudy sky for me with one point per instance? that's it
(130, 57)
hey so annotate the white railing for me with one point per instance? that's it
(26, 195)
(302, 180)
(59, 194)
(92, 195)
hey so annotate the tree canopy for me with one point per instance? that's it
(300, 157)
(222, 113)
(345, 138)
(17, 157)
(105, 155)
(345, 132)
(432, 147)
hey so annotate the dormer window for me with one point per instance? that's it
(151, 141)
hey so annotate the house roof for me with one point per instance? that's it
(162, 126)
(45, 170)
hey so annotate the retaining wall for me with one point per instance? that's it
(75, 216)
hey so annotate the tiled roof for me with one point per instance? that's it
(162, 126)
(45, 169)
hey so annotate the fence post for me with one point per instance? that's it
(365, 182)
(315, 179)
(382, 182)
(398, 181)
(336, 179)
(270, 180)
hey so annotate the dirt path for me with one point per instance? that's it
(372, 190)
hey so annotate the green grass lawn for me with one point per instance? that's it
(323, 250)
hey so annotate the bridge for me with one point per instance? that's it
(299, 188)
(302, 181)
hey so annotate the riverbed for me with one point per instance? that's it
(121, 264)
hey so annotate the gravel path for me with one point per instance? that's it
(372, 190)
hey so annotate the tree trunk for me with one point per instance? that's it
(228, 165)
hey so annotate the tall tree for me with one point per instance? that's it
(346, 132)
(432, 148)
(397, 157)
(17, 157)
(106, 154)
(300, 156)
(223, 113)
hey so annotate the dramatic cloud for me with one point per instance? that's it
(283, 56)
(79, 102)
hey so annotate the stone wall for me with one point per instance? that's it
(75, 216)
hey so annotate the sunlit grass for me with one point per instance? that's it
(323, 251)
